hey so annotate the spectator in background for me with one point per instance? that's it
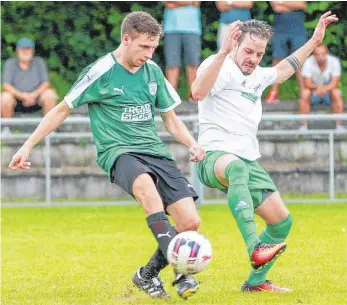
(321, 73)
(289, 35)
(231, 11)
(25, 81)
(182, 29)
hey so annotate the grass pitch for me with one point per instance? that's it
(87, 255)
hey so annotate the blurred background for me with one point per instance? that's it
(69, 36)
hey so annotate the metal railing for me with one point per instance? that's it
(191, 119)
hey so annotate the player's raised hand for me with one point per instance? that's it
(20, 160)
(323, 22)
(197, 152)
(231, 39)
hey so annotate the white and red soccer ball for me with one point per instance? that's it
(189, 252)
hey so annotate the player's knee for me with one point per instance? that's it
(237, 172)
(190, 224)
(195, 223)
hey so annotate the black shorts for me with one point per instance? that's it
(169, 180)
(27, 109)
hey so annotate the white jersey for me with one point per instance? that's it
(312, 70)
(229, 116)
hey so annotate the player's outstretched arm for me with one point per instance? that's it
(287, 67)
(49, 123)
(205, 81)
(181, 134)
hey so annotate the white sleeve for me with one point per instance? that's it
(336, 67)
(222, 79)
(306, 69)
(269, 76)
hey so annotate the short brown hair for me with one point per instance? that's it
(140, 22)
(256, 28)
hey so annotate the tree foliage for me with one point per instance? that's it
(70, 35)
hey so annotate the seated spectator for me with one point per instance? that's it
(231, 11)
(321, 73)
(182, 29)
(289, 35)
(25, 81)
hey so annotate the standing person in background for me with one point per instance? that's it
(231, 11)
(289, 35)
(182, 29)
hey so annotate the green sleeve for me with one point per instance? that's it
(167, 97)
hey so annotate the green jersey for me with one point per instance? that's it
(121, 107)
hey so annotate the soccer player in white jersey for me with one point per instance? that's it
(228, 87)
(122, 89)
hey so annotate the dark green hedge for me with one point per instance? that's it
(70, 35)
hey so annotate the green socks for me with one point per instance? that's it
(273, 234)
(240, 202)
(241, 205)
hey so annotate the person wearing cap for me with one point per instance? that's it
(25, 80)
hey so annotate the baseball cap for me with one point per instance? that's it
(25, 43)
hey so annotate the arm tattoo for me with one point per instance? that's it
(294, 62)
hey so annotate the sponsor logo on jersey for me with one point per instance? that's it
(241, 206)
(152, 88)
(249, 96)
(137, 113)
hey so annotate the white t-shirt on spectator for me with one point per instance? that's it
(229, 116)
(311, 69)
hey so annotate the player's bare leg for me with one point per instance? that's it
(145, 192)
(278, 224)
(186, 218)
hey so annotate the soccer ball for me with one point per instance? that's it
(189, 252)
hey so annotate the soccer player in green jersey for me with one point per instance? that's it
(229, 86)
(122, 89)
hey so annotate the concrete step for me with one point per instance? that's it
(188, 108)
(284, 106)
(82, 152)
